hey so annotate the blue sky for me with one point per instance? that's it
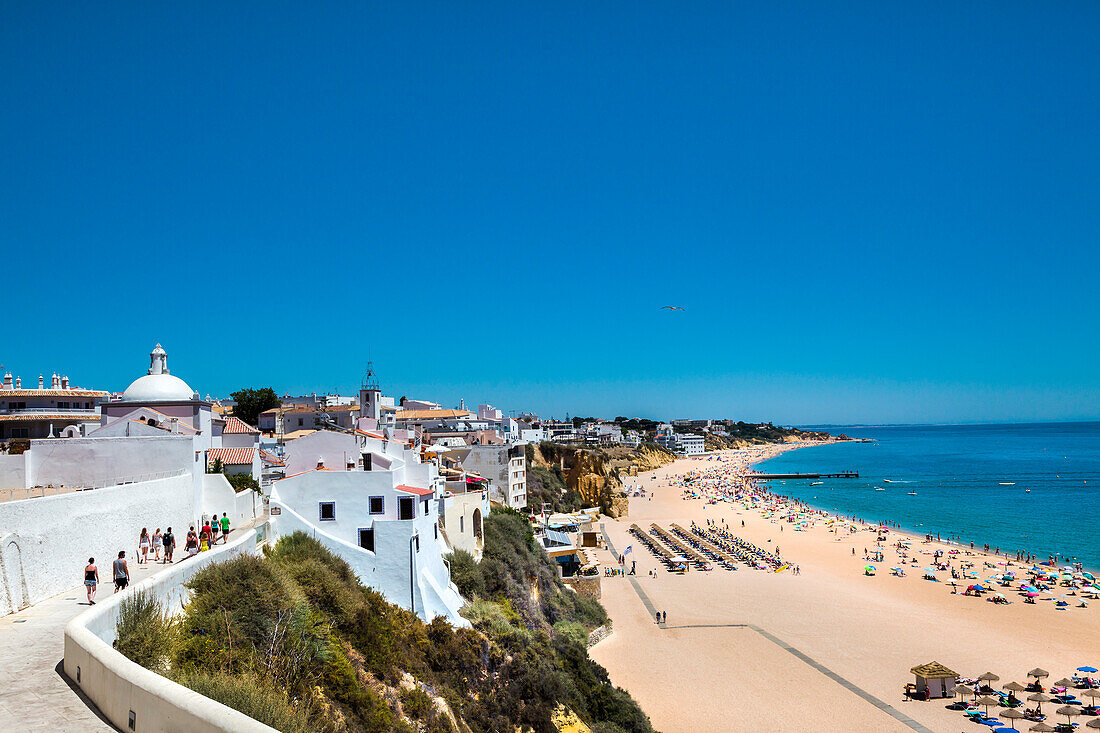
(872, 212)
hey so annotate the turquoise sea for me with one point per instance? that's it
(957, 472)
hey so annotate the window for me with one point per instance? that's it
(461, 523)
(426, 507)
(20, 433)
(327, 511)
(406, 508)
(436, 528)
(366, 539)
(416, 539)
(377, 505)
(299, 422)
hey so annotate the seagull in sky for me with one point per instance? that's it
(672, 308)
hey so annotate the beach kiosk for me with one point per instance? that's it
(933, 680)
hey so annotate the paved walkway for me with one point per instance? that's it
(34, 693)
(848, 684)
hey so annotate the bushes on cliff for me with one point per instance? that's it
(293, 640)
(547, 486)
(144, 633)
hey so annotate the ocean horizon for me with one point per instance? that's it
(1015, 486)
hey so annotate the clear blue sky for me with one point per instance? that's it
(872, 212)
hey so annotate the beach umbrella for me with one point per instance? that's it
(964, 690)
(987, 702)
(1094, 723)
(1064, 682)
(1014, 686)
(1012, 714)
(1039, 698)
(1086, 669)
(1042, 727)
(1069, 711)
(1091, 693)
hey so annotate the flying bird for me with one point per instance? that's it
(672, 308)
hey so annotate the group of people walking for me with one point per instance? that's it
(158, 542)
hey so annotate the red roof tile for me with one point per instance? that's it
(237, 426)
(415, 490)
(231, 456)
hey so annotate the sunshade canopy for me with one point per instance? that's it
(934, 671)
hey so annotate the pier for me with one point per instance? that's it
(766, 476)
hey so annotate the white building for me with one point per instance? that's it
(690, 445)
(372, 500)
(46, 412)
(504, 466)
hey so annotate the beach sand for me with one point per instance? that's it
(831, 647)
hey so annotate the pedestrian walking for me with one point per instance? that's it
(169, 545)
(192, 544)
(158, 543)
(658, 617)
(664, 617)
(225, 528)
(214, 530)
(143, 546)
(121, 572)
(91, 580)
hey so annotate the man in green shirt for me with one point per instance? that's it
(225, 527)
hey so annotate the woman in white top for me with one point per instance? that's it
(158, 542)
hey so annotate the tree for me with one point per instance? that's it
(251, 402)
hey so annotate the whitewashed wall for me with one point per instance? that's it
(45, 543)
(13, 473)
(84, 461)
(218, 497)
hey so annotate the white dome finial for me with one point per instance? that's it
(158, 361)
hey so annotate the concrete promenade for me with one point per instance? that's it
(34, 695)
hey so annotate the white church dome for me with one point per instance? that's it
(158, 385)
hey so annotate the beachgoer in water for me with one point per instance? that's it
(91, 580)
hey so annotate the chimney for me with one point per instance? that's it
(65, 382)
(19, 382)
(7, 380)
(175, 422)
(55, 381)
(40, 382)
(320, 462)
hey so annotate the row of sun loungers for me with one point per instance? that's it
(693, 557)
(740, 549)
(708, 549)
(662, 555)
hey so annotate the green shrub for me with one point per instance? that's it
(251, 695)
(466, 574)
(416, 703)
(144, 633)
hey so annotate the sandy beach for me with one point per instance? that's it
(829, 648)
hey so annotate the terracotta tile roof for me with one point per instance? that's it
(62, 415)
(432, 414)
(53, 393)
(231, 456)
(271, 459)
(414, 490)
(237, 426)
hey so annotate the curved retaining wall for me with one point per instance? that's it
(120, 688)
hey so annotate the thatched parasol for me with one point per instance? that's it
(1012, 714)
(1014, 686)
(1041, 727)
(1038, 673)
(1068, 710)
(1094, 723)
(1039, 698)
(987, 702)
(1064, 682)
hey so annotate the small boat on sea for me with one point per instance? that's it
(817, 483)
(878, 489)
(888, 480)
(1008, 483)
(912, 493)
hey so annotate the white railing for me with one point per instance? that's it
(82, 412)
(37, 492)
(135, 698)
